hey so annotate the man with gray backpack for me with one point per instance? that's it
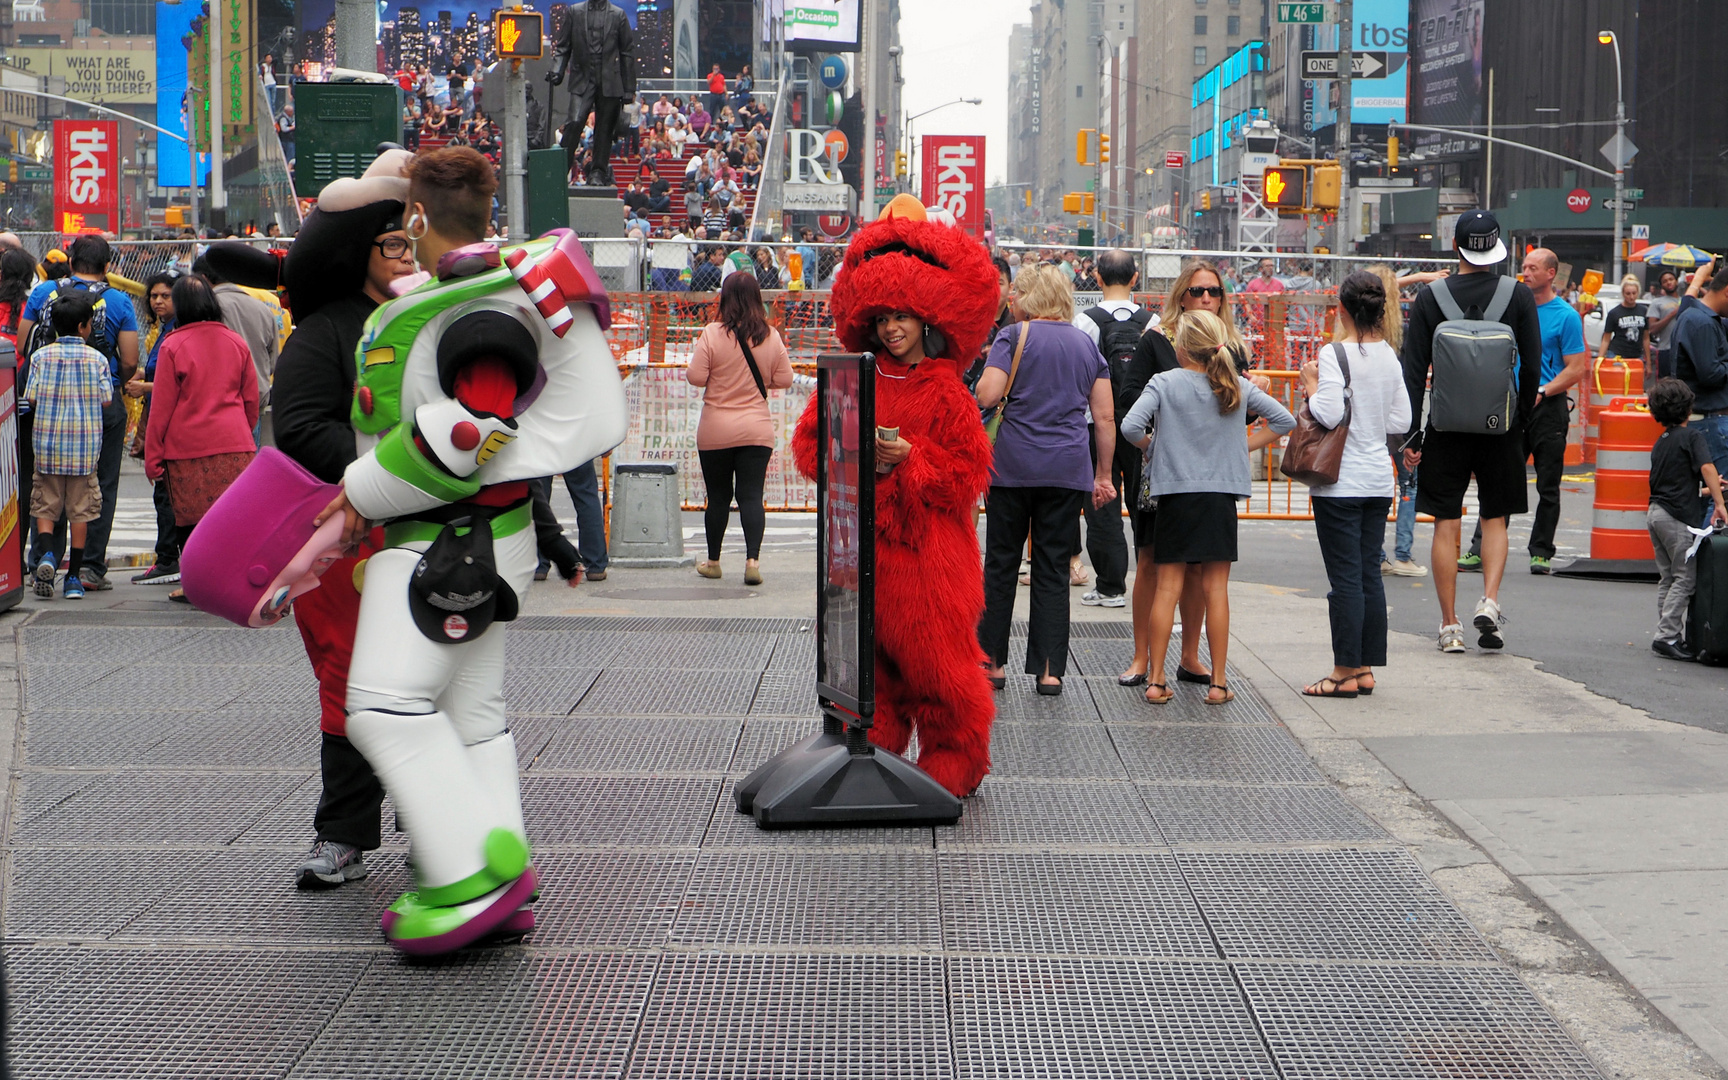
(1479, 334)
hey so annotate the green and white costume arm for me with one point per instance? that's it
(394, 479)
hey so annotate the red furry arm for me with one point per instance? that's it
(804, 440)
(949, 466)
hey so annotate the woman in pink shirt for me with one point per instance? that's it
(203, 408)
(738, 360)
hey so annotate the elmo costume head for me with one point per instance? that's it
(907, 260)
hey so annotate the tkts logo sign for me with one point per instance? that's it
(954, 178)
(86, 175)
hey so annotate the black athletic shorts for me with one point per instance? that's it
(1450, 459)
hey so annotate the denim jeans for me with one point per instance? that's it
(1352, 532)
(583, 483)
(1405, 537)
(1715, 432)
(108, 480)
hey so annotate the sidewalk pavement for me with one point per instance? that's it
(1525, 797)
(1179, 892)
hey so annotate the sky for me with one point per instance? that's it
(954, 49)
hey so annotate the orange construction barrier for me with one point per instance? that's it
(1610, 377)
(1620, 528)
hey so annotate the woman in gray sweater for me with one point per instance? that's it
(1199, 468)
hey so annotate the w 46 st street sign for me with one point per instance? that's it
(1324, 65)
(1302, 13)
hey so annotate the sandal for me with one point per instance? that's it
(1365, 690)
(997, 682)
(1163, 697)
(1319, 689)
(1229, 694)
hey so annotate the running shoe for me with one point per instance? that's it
(1488, 625)
(158, 574)
(1452, 638)
(1539, 565)
(1470, 564)
(330, 864)
(93, 581)
(1094, 598)
(72, 588)
(44, 575)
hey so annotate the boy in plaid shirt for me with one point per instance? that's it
(68, 386)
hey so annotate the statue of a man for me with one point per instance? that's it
(598, 47)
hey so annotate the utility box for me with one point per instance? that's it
(338, 127)
(548, 204)
(647, 516)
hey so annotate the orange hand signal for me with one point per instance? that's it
(508, 35)
(1275, 185)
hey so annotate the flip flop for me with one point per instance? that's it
(1229, 694)
(1318, 689)
(1164, 698)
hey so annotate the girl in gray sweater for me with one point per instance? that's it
(1199, 468)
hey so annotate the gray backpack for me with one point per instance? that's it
(1475, 363)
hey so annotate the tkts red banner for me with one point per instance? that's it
(87, 175)
(954, 178)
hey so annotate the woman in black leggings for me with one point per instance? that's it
(738, 360)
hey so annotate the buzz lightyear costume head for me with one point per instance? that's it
(540, 308)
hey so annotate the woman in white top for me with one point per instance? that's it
(1350, 515)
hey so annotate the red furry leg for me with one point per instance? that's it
(891, 728)
(951, 703)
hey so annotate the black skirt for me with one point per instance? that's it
(1195, 527)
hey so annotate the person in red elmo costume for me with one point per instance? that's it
(921, 295)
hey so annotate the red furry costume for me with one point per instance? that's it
(929, 578)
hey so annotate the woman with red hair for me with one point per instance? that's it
(921, 295)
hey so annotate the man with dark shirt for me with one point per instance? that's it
(1446, 460)
(1700, 348)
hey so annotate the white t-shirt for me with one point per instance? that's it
(1379, 403)
(1114, 307)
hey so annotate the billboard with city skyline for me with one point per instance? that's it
(410, 34)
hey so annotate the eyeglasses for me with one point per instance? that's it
(1197, 291)
(391, 247)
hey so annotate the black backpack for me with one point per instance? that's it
(42, 332)
(1117, 338)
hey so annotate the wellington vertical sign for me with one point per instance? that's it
(86, 175)
(953, 174)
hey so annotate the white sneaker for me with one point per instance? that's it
(1408, 568)
(1452, 638)
(1094, 598)
(1488, 625)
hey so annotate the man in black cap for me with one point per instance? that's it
(598, 47)
(1446, 460)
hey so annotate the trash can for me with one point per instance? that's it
(647, 516)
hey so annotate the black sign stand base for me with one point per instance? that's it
(838, 777)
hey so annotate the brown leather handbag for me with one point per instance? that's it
(1313, 453)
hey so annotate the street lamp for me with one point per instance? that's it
(1608, 37)
(912, 143)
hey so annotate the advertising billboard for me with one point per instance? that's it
(110, 76)
(1446, 72)
(953, 178)
(1378, 26)
(86, 175)
(823, 25)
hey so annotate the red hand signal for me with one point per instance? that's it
(1275, 186)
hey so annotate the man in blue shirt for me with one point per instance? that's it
(1700, 346)
(1563, 365)
(116, 339)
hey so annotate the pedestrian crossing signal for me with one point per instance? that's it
(1285, 187)
(520, 35)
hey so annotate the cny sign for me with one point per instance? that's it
(953, 167)
(86, 175)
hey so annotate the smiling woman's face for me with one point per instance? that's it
(899, 333)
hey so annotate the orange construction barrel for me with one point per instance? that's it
(1610, 377)
(1620, 529)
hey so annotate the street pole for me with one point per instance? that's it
(1609, 37)
(357, 34)
(867, 174)
(1346, 39)
(516, 148)
(192, 152)
(218, 197)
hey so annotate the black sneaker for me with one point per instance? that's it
(158, 574)
(1672, 650)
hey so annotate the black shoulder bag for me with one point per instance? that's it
(755, 372)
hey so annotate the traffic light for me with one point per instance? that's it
(1327, 185)
(1028, 194)
(1285, 187)
(900, 163)
(520, 35)
(1078, 202)
(1391, 151)
(1103, 149)
(1083, 146)
(1205, 200)
(12, 172)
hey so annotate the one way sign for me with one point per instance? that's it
(1324, 65)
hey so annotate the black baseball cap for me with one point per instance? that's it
(455, 592)
(1478, 238)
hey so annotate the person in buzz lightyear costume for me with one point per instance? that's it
(495, 372)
